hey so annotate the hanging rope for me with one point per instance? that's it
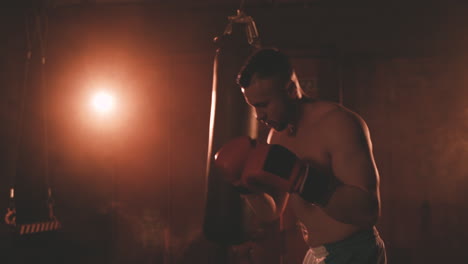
(42, 30)
(241, 5)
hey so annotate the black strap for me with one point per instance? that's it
(280, 161)
(318, 186)
(42, 31)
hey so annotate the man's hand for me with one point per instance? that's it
(273, 169)
(231, 160)
(254, 167)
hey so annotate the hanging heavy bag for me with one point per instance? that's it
(230, 117)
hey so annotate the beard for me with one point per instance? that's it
(277, 125)
(283, 120)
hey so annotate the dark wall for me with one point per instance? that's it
(133, 190)
(415, 108)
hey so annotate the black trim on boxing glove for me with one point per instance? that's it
(280, 161)
(241, 189)
(317, 187)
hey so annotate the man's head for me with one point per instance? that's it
(270, 85)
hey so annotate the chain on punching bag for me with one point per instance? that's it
(230, 117)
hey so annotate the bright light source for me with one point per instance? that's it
(103, 102)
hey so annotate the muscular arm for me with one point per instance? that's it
(357, 200)
(267, 207)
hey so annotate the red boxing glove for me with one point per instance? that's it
(231, 160)
(273, 168)
(254, 167)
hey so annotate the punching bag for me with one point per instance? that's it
(230, 117)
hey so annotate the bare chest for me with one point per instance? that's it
(307, 145)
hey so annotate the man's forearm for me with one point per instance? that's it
(264, 206)
(352, 205)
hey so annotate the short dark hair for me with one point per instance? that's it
(266, 63)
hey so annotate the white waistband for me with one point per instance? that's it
(319, 252)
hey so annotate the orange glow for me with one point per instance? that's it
(103, 102)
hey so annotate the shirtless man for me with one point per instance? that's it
(331, 184)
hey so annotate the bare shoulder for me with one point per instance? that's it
(337, 122)
(324, 111)
(332, 115)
